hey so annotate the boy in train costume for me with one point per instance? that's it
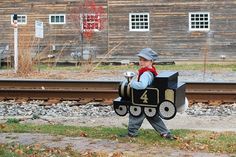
(146, 75)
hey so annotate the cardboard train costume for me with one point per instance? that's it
(165, 96)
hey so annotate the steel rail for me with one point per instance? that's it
(82, 91)
(85, 91)
(213, 92)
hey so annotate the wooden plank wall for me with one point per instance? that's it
(65, 36)
(169, 33)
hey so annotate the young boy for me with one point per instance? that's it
(146, 75)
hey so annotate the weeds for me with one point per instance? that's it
(26, 43)
(12, 121)
(35, 116)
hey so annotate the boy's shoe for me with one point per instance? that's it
(128, 135)
(168, 136)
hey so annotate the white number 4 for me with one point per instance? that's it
(144, 97)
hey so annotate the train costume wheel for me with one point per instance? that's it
(121, 110)
(150, 111)
(167, 110)
(135, 110)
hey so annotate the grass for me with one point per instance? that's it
(209, 67)
(223, 142)
(12, 120)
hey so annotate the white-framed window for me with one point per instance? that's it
(199, 21)
(139, 22)
(21, 19)
(57, 19)
(90, 22)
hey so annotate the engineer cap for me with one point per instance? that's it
(148, 54)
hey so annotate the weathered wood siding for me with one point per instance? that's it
(169, 28)
(65, 37)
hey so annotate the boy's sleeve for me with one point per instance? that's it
(145, 80)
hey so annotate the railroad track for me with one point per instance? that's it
(105, 91)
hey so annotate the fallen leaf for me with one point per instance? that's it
(117, 154)
(87, 154)
(201, 147)
(19, 151)
(37, 146)
(113, 137)
(83, 134)
(2, 126)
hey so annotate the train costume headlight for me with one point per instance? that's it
(170, 95)
(129, 75)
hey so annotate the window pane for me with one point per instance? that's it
(96, 26)
(22, 18)
(52, 18)
(18, 18)
(62, 19)
(57, 19)
(146, 18)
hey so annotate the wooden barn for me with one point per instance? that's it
(176, 29)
